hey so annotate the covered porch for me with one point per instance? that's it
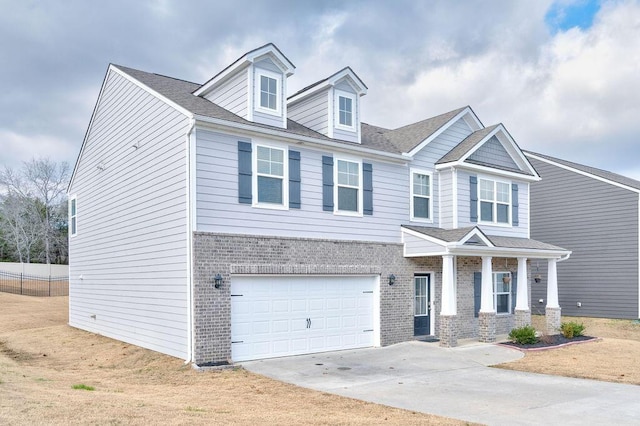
(494, 295)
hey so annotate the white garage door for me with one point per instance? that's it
(275, 316)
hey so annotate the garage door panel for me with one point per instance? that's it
(290, 315)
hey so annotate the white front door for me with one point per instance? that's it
(275, 316)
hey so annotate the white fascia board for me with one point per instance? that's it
(488, 170)
(583, 173)
(508, 252)
(300, 140)
(501, 132)
(428, 254)
(353, 80)
(467, 111)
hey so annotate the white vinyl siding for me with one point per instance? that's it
(233, 94)
(128, 267)
(312, 112)
(218, 209)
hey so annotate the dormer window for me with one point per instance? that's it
(268, 98)
(345, 110)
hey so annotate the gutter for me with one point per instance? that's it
(190, 177)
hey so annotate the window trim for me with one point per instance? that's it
(256, 174)
(495, 202)
(354, 107)
(336, 185)
(73, 225)
(258, 89)
(412, 195)
(495, 293)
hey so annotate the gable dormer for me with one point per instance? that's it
(331, 106)
(254, 87)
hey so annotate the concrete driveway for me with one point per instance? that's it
(458, 383)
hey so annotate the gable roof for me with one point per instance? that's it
(459, 155)
(605, 175)
(329, 81)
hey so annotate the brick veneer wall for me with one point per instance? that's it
(240, 254)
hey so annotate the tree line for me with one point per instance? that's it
(33, 212)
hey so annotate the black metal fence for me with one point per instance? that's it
(33, 285)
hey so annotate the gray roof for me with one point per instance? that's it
(614, 177)
(453, 235)
(396, 141)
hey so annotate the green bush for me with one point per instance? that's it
(571, 329)
(524, 335)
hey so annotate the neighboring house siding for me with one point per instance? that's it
(312, 112)
(232, 94)
(128, 262)
(218, 209)
(492, 152)
(464, 218)
(599, 223)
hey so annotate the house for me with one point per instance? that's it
(594, 213)
(225, 221)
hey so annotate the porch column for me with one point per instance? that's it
(523, 311)
(552, 311)
(448, 329)
(487, 314)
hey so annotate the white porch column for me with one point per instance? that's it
(523, 311)
(522, 299)
(552, 311)
(486, 295)
(448, 321)
(552, 285)
(449, 305)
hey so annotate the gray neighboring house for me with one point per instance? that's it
(225, 221)
(595, 214)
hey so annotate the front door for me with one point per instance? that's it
(422, 305)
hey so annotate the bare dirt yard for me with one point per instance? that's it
(42, 359)
(615, 357)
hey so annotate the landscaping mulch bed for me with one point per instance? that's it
(550, 342)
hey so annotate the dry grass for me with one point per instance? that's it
(42, 359)
(614, 358)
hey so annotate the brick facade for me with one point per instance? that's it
(239, 254)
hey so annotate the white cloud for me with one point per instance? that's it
(17, 148)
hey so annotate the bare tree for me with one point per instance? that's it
(37, 191)
(21, 225)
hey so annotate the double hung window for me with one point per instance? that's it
(421, 196)
(270, 175)
(349, 187)
(495, 201)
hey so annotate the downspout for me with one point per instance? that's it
(190, 175)
(563, 258)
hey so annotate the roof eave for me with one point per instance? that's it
(484, 169)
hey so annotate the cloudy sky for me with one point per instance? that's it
(563, 76)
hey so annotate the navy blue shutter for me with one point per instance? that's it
(514, 291)
(477, 289)
(473, 198)
(514, 204)
(294, 179)
(244, 172)
(327, 183)
(367, 188)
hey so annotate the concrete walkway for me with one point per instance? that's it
(458, 383)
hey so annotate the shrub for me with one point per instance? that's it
(571, 329)
(524, 335)
(83, 387)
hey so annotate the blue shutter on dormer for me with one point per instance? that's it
(473, 198)
(327, 183)
(514, 204)
(367, 188)
(244, 172)
(294, 179)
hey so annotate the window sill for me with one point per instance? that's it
(421, 220)
(270, 206)
(274, 112)
(347, 213)
(499, 225)
(346, 128)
